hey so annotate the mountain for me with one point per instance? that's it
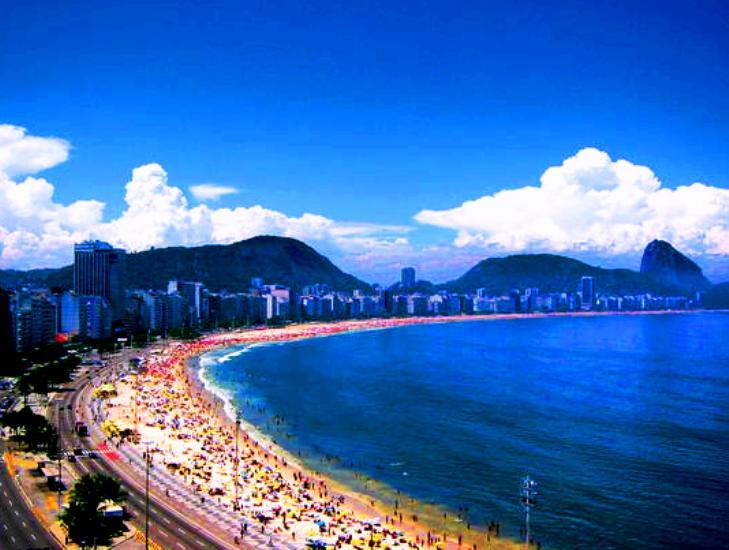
(665, 264)
(548, 273)
(422, 287)
(10, 278)
(664, 270)
(717, 297)
(279, 260)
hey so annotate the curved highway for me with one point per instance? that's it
(176, 520)
(19, 527)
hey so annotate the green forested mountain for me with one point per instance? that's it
(229, 267)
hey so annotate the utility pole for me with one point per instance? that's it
(136, 403)
(60, 454)
(528, 499)
(147, 460)
(237, 459)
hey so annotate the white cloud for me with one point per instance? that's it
(595, 205)
(33, 228)
(589, 204)
(211, 191)
(24, 154)
(36, 231)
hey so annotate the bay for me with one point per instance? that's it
(623, 420)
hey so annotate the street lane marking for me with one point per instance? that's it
(168, 522)
(181, 530)
(33, 536)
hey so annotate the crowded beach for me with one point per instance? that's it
(196, 441)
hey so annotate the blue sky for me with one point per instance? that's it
(372, 112)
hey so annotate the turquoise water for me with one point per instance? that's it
(623, 420)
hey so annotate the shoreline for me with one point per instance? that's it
(185, 386)
(369, 504)
(367, 325)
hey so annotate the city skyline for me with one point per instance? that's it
(102, 304)
(361, 144)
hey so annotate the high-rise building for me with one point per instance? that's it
(7, 323)
(70, 313)
(94, 318)
(35, 322)
(98, 270)
(191, 293)
(407, 277)
(587, 292)
(417, 305)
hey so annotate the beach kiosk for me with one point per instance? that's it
(110, 509)
(51, 473)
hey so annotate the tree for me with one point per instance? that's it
(41, 378)
(32, 431)
(85, 523)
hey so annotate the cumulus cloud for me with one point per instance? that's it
(33, 227)
(211, 191)
(24, 154)
(37, 231)
(593, 204)
(588, 204)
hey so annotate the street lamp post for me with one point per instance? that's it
(147, 460)
(528, 499)
(136, 404)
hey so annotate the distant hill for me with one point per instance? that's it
(548, 273)
(229, 267)
(52, 277)
(665, 264)
(422, 287)
(717, 297)
(665, 271)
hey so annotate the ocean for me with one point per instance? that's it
(622, 420)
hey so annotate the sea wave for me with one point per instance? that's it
(224, 394)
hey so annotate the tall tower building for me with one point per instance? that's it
(98, 270)
(587, 291)
(407, 277)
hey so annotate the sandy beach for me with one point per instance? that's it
(193, 435)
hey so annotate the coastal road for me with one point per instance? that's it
(19, 527)
(170, 527)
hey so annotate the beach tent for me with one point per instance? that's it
(105, 391)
